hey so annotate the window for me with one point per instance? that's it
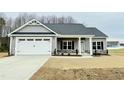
(94, 45)
(68, 44)
(38, 39)
(29, 39)
(64, 45)
(21, 39)
(98, 45)
(46, 39)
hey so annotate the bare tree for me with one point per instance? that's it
(9, 22)
(42, 19)
(55, 19)
(24, 17)
(70, 19)
(2, 15)
(2, 24)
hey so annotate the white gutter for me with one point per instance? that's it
(75, 36)
(28, 35)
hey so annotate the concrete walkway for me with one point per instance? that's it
(20, 67)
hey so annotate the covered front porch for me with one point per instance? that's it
(73, 46)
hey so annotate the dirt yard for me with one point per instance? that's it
(96, 68)
(80, 74)
(119, 52)
(3, 54)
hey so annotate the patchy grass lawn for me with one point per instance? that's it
(98, 68)
(3, 54)
(119, 52)
(79, 74)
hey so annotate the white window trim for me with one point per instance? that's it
(98, 45)
(67, 41)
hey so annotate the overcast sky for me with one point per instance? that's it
(110, 23)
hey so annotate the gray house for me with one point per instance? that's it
(113, 44)
(35, 38)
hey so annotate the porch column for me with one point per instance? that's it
(79, 45)
(10, 46)
(55, 42)
(91, 50)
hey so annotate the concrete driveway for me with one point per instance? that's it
(20, 67)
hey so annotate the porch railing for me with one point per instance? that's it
(65, 52)
(76, 52)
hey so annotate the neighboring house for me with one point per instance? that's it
(4, 31)
(122, 44)
(35, 38)
(113, 44)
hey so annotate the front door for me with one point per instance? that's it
(82, 46)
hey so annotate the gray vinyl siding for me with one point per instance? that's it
(33, 28)
(87, 45)
(99, 40)
(76, 44)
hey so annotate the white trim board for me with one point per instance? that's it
(30, 35)
(76, 36)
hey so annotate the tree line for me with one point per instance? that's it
(25, 17)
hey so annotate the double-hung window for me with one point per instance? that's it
(68, 45)
(64, 45)
(98, 45)
(94, 45)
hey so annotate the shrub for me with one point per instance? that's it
(3, 49)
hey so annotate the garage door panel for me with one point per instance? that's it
(33, 47)
(33, 53)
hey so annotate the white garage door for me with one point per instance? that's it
(33, 46)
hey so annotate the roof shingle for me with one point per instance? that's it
(75, 29)
(96, 32)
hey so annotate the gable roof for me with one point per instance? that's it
(65, 29)
(75, 29)
(29, 23)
